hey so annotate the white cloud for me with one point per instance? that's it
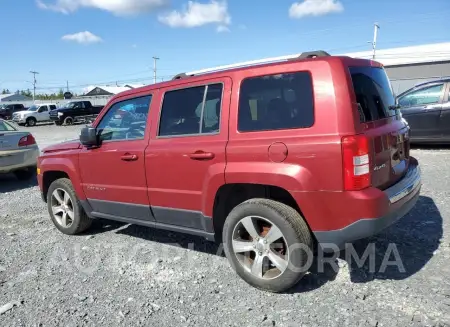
(315, 8)
(198, 14)
(222, 29)
(118, 7)
(85, 37)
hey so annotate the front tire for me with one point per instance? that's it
(268, 244)
(65, 209)
(31, 122)
(68, 121)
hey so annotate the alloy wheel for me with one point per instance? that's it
(62, 208)
(260, 247)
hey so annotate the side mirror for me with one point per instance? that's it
(88, 137)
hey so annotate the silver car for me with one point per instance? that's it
(18, 151)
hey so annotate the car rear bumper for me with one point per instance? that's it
(11, 161)
(399, 199)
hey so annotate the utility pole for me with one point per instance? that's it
(374, 42)
(154, 68)
(34, 83)
(67, 86)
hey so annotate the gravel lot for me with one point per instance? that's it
(123, 275)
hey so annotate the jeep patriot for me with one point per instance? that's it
(270, 159)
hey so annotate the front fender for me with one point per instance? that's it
(65, 165)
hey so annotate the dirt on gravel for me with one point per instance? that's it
(126, 275)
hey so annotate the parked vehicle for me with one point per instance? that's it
(18, 151)
(36, 113)
(426, 108)
(74, 111)
(7, 110)
(272, 160)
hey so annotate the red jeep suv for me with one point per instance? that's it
(270, 159)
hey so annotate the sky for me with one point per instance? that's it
(100, 42)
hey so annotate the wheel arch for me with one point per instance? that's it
(228, 196)
(56, 168)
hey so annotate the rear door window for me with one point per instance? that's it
(373, 93)
(184, 109)
(275, 102)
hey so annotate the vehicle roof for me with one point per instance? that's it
(225, 72)
(443, 79)
(436, 80)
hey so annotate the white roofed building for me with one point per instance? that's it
(100, 90)
(408, 66)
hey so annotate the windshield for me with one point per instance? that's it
(71, 105)
(2, 106)
(373, 93)
(33, 108)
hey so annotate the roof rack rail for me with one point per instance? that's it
(181, 75)
(312, 54)
(304, 55)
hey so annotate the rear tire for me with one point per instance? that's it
(25, 174)
(281, 266)
(31, 122)
(65, 209)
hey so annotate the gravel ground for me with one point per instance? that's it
(123, 275)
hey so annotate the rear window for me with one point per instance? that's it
(373, 93)
(274, 102)
(4, 127)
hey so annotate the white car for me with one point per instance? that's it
(18, 151)
(36, 113)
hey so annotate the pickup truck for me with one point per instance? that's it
(73, 111)
(7, 110)
(36, 113)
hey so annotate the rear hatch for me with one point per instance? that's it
(381, 122)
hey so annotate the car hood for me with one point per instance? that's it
(24, 112)
(64, 146)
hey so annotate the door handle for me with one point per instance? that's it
(202, 155)
(129, 157)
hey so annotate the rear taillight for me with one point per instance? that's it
(27, 140)
(356, 162)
